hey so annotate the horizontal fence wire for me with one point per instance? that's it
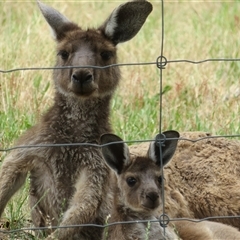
(111, 143)
(161, 63)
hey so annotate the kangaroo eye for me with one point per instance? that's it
(106, 55)
(160, 179)
(64, 54)
(131, 181)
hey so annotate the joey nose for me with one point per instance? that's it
(153, 196)
(82, 77)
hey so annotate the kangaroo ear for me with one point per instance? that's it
(126, 20)
(59, 23)
(116, 155)
(168, 147)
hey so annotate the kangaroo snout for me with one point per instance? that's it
(151, 200)
(153, 196)
(82, 77)
(82, 82)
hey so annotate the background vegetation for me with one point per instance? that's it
(203, 97)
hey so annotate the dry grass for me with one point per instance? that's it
(196, 97)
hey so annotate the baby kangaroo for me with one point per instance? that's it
(136, 183)
(137, 188)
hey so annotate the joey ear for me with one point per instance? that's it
(116, 155)
(168, 147)
(58, 22)
(126, 20)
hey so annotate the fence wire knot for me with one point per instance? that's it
(161, 62)
(160, 140)
(164, 220)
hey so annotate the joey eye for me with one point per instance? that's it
(131, 181)
(64, 54)
(160, 179)
(106, 55)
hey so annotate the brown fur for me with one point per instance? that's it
(137, 202)
(202, 179)
(206, 231)
(140, 201)
(69, 185)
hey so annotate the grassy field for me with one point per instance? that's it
(202, 97)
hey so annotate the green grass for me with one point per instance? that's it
(204, 97)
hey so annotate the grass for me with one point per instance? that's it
(203, 97)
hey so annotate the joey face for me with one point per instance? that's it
(86, 48)
(139, 180)
(141, 185)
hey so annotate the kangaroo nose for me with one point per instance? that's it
(82, 77)
(153, 196)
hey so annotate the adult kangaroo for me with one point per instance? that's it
(69, 184)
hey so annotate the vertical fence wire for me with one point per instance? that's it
(160, 67)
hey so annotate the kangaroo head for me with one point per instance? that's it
(92, 47)
(140, 179)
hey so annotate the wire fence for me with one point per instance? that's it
(103, 145)
(161, 62)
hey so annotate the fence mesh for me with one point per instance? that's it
(161, 63)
